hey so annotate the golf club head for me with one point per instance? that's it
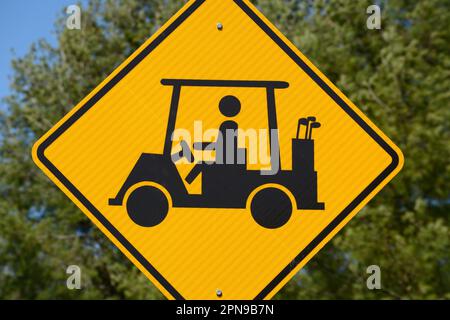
(303, 121)
(312, 119)
(313, 125)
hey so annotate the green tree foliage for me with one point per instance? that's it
(398, 75)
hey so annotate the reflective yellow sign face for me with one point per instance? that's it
(217, 157)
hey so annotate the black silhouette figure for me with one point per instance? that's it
(227, 141)
(226, 184)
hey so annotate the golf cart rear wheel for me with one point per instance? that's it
(271, 208)
(147, 206)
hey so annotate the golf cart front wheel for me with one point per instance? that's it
(147, 206)
(271, 208)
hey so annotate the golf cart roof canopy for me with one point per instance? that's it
(225, 83)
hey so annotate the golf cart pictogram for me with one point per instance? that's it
(154, 185)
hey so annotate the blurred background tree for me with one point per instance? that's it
(399, 76)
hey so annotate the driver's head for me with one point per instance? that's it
(230, 106)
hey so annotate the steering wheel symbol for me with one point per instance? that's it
(185, 152)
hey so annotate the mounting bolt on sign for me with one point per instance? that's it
(282, 162)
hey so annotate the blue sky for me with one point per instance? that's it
(23, 22)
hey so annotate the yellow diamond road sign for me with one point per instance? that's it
(205, 214)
